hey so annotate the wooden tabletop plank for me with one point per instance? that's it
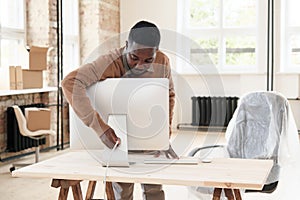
(221, 172)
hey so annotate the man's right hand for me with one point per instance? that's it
(109, 138)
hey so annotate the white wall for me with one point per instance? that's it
(164, 14)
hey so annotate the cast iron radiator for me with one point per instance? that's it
(213, 111)
(15, 141)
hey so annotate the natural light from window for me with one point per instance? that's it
(292, 32)
(228, 31)
(71, 35)
(234, 34)
(12, 32)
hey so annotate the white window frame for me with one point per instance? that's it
(260, 31)
(18, 34)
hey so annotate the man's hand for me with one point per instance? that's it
(109, 138)
(170, 153)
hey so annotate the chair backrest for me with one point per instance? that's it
(22, 122)
(255, 129)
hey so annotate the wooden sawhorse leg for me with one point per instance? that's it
(76, 189)
(237, 194)
(64, 188)
(91, 189)
(231, 194)
(109, 191)
(217, 193)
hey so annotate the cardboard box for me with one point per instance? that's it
(12, 78)
(32, 79)
(38, 118)
(5, 73)
(38, 58)
(19, 78)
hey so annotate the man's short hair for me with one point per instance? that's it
(145, 33)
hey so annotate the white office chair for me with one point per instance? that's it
(262, 127)
(36, 135)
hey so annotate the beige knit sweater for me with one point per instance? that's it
(110, 65)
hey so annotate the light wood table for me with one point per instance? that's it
(69, 169)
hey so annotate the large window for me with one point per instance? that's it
(234, 34)
(12, 32)
(70, 35)
(290, 35)
(231, 32)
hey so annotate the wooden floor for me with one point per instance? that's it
(26, 188)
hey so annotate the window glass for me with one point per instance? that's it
(293, 14)
(71, 56)
(240, 51)
(70, 17)
(204, 13)
(13, 51)
(228, 31)
(239, 13)
(12, 13)
(234, 33)
(12, 32)
(206, 47)
(71, 35)
(295, 50)
(290, 38)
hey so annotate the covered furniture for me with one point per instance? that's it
(262, 127)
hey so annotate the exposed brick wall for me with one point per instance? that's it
(22, 99)
(115, 4)
(37, 22)
(40, 20)
(99, 20)
(89, 26)
(109, 18)
(52, 38)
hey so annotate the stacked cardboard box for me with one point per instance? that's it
(29, 78)
(12, 78)
(33, 77)
(38, 118)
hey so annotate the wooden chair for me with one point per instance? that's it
(36, 135)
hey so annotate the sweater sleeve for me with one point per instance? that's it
(74, 88)
(171, 94)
